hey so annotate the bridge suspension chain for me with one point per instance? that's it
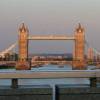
(7, 50)
(94, 49)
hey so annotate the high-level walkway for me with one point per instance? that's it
(50, 37)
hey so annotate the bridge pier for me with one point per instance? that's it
(78, 65)
(23, 65)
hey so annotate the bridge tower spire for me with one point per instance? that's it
(23, 47)
(78, 59)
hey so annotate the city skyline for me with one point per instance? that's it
(49, 17)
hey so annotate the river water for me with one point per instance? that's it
(51, 82)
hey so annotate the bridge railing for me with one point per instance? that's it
(15, 75)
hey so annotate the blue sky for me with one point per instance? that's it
(49, 17)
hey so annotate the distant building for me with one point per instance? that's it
(90, 55)
(98, 58)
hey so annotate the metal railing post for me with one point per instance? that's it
(14, 83)
(93, 82)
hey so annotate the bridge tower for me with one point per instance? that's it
(78, 58)
(22, 63)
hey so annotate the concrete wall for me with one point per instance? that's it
(26, 93)
(65, 92)
(44, 92)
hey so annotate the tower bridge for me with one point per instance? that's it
(79, 62)
(23, 41)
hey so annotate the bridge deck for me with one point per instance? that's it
(32, 74)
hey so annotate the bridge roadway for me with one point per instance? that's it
(50, 62)
(50, 37)
(37, 62)
(7, 62)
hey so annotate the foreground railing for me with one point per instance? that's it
(15, 75)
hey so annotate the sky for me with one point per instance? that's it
(49, 17)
